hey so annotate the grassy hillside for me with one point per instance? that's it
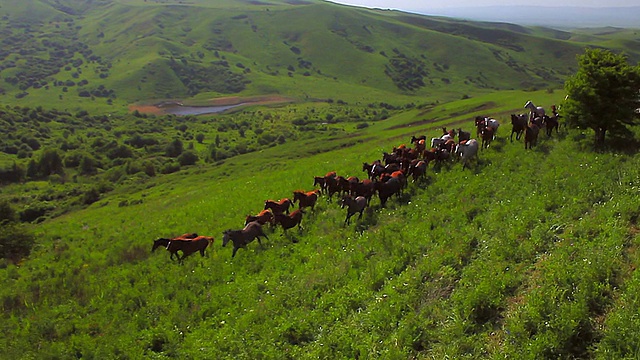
(105, 55)
(529, 254)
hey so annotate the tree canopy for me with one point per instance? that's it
(604, 94)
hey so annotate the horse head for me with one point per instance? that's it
(226, 236)
(159, 242)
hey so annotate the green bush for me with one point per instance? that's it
(187, 158)
(16, 241)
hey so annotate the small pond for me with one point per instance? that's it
(198, 110)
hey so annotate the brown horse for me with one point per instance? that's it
(189, 247)
(289, 221)
(164, 241)
(305, 199)
(241, 238)
(281, 206)
(487, 136)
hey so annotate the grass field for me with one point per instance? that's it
(528, 254)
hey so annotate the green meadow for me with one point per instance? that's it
(528, 254)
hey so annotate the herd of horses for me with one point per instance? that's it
(385, 178)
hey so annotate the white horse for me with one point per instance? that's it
(534, 111)
(467, 151)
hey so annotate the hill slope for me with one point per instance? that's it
(529, 254)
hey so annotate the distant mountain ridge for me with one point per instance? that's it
(559, 17)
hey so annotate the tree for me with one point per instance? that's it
(604, 94)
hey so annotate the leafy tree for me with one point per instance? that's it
(50, 163)
(604, 94)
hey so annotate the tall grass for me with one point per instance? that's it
(530, 254)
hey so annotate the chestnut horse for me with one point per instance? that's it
(289, 221)
(265, 216)
(305, 199)
(281, 206)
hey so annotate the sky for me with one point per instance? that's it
(411, 5)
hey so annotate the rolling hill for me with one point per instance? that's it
(108, 54)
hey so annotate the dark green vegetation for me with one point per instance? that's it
(530, 254)
(603, 94)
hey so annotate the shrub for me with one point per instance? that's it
(187, 158)
(174, 149)
(170, 167)
(16, 241)
(7, 213)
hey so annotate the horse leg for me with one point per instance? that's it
(235, 249)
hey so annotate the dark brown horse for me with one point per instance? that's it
(366, 188)
(550, 123)
(518, 125)
(164, 241)
(417, 170)
(531, 136)
(354, 206)
(463, 135)
(241, 238)
(189, 247)
(321, 182)
(387, 189)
